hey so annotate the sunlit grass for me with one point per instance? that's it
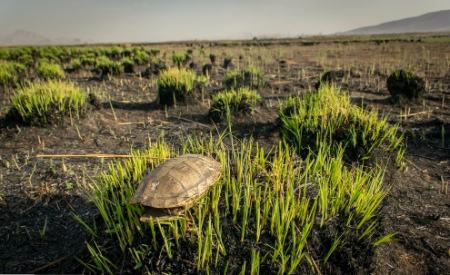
(262, 212)
(140, 56)
(250, 76)
(241, 100)
(43, 101)
(107, 67)
(49, 71)
(175, 84)
(10, 72)
(74, 65)
(328, 116)
(180, 58)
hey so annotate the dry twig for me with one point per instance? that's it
(91, 156)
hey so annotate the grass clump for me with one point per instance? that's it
(47, 71)
(113, 52)
(4, 53)
(328, 116)
(227, 62)
(236, 101)
(405, 84)
(44, 102)
(268, 211)
(128, 65)
(141, 57)
(207, 69)
(88, 59)
(180, 58)
(75, 65)
(53, 54)
(23, 55)
(156, 67)
(10, 73)
(175, 85)
(154, 52)
(107, 67)
(250, 77)
(330, 78)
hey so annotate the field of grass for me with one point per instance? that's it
(323, 169)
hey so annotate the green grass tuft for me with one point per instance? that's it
(88, 59)
(175, 84)
(328, 116)
(251, 77)
(107, 67)
(333, 77)
(128, 65)
(405, 84)
(75, 65)
(141, 57)
(10, 73)
(43, 102)
(180, 58)
(49, 71)
(242, 100)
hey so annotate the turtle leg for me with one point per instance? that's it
(175, 211)
(159, 215)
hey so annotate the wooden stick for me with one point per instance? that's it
(49, 264)
(91, 156)
(112, 109)
(189, 120)
(131, 123)
(414, 114)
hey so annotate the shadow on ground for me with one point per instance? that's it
(42, 236)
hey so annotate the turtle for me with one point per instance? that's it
(175, 185)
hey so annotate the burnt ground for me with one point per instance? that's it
(38, 196)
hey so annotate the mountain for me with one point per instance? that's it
(438, 21)
(23, 37)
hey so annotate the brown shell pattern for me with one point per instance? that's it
(177, 182)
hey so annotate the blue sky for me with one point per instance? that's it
(163, 20)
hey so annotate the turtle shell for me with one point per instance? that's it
(178, 182)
